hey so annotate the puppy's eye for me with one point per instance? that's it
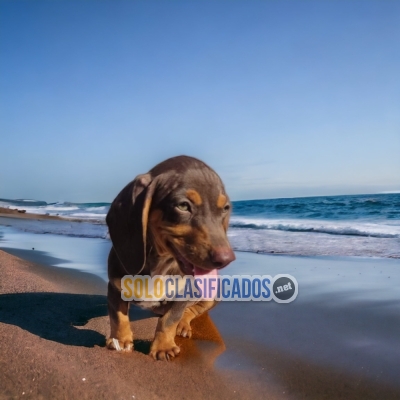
(226, 208)
(184, 206)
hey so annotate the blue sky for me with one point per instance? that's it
(281, 98)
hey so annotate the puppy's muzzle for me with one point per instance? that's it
(222, 256)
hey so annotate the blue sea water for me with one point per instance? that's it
(352, 225)
(360, 215)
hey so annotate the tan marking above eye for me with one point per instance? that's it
(194, 196)
(221, 200)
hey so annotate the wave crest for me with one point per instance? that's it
(331, 228)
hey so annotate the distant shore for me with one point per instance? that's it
(22, 214)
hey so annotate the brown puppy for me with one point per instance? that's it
(170, 221)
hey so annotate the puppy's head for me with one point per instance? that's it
(181, 207)
(189, 217)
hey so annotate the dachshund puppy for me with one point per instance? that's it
(170, 221)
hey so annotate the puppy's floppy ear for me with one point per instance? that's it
(127, 222)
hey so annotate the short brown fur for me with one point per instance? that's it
(152, 234)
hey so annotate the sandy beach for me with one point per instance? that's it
(338, 340)
(53, 325)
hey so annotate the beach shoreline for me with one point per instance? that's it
(20, 213)
(347, 225)
(242, 357)
(53, 326)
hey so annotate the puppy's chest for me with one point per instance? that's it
(156, 265)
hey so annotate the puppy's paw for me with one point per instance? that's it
(164, 348)
(183, 329)
(115, 344)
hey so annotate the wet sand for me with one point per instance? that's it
(53, 325)
(340, 339)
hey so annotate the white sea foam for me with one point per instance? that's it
(312, 244)
(102, 208)
(363, 225)
(57, 208)
(60, 209)
(356, 227)
(88, 215)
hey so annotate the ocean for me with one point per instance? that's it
(351, 225)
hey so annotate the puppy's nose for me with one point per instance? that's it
(222, 256)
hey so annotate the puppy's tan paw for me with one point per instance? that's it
(115, 344)
(183, 329)
(164, 349)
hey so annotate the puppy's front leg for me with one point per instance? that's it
(183, 328)
(118, 310)
(164, 346)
